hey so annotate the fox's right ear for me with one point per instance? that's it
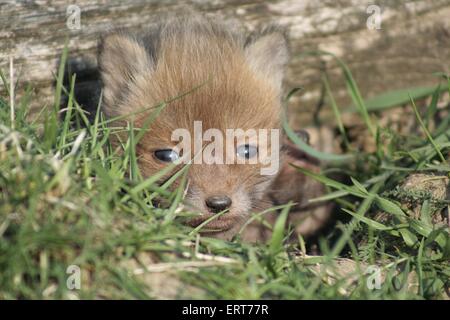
(267, 52)
(121, 59)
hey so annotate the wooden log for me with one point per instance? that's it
(413, 40)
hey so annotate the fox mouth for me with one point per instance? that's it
(219, 224)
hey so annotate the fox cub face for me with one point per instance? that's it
(212, 79)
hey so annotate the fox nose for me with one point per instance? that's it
(218, 203)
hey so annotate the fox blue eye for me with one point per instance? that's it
(247, 151)
(166, 155)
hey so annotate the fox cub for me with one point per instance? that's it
(214, 78)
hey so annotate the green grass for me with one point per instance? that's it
(67, 198)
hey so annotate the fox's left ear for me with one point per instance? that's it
(122, 58)
(267, 53)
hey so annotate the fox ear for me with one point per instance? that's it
(268, 54)
(121, 60)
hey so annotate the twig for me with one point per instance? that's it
(171, 266)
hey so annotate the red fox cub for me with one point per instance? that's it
(223, 118)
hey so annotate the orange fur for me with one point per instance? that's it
(231, 82)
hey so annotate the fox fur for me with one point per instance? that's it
(211, 72)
